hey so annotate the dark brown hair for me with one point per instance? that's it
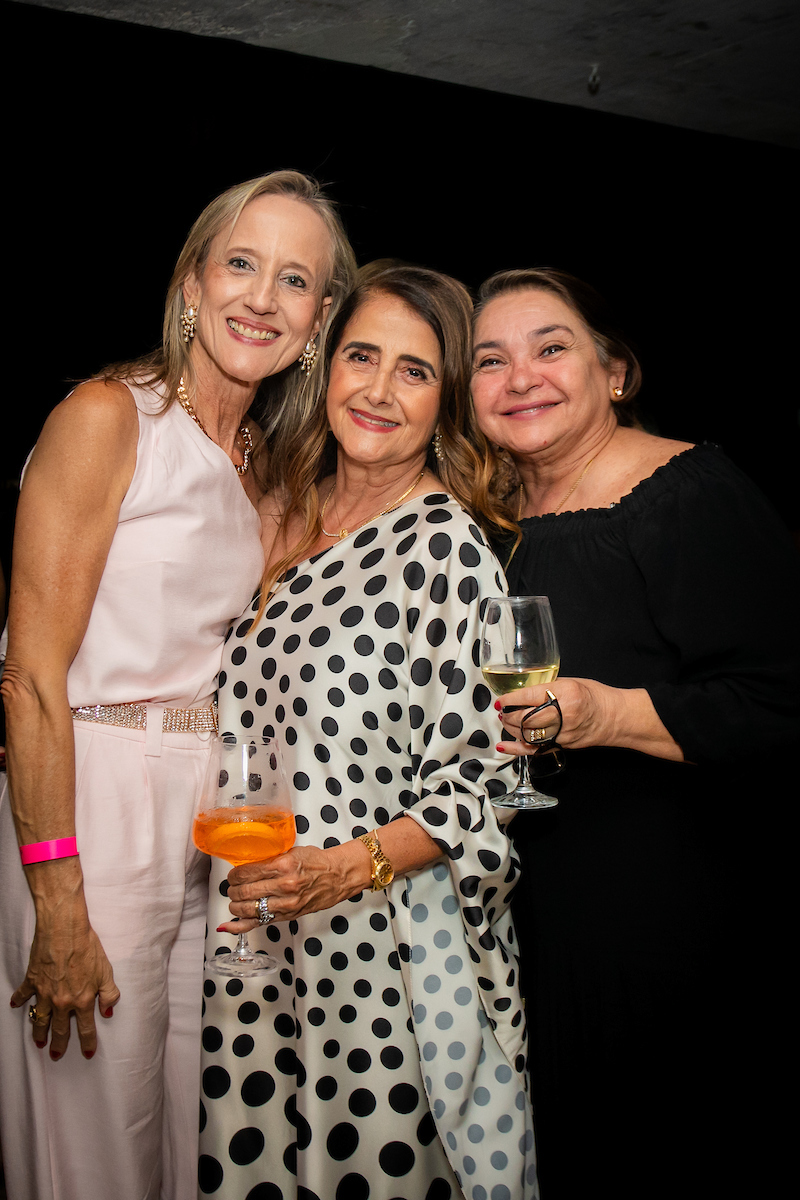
(593, 310)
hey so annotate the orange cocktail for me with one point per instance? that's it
(248, 834)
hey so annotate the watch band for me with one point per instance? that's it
(382, 870)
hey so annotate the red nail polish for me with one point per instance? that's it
(498, 705)
(88, 1054)
(55, 1056)
(109, 1012)
(221, 929)
(39, 1045)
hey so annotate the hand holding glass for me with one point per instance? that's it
(519, 649)
(244, 815)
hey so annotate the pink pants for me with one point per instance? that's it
(123, 1125)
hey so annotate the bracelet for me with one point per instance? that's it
(35, 852)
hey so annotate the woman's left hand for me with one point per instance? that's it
(588, 710)
(593, 714)
(304, 880)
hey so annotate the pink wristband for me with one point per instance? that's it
(35, 852)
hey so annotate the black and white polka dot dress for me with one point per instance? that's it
(386, 1059)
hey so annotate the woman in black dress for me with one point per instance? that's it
(642, 909)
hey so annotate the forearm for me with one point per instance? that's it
(41, 774)
(635, 725)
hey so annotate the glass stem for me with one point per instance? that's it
(525, 783)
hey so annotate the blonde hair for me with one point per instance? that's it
(465, 469)
(290, 389)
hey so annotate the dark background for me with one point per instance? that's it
(120, 134)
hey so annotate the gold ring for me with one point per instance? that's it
(32, 1013)
(549, 694)
(538, 735)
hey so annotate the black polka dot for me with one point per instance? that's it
(396, 1158)
(342, 1141)
(403, 1098)
(216, 1082)
(361, 1103)
(246, 1145)
(209, 1174)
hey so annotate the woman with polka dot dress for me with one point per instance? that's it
(386, 1057)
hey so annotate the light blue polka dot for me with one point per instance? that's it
(463, 995)
(469, 1164)
(420, 1013)
(499, 1161)
(464, 1106)
(453, 1081)
(419, 913)
(418, 954)
(453, 964)
(526, 1141)
(440, 871)
(483, 1020)
(428, 1084)
(450, 905)
(479, 1192)
(530, 1174)
(505, 1123)
(441, 939)
(432, 983)
(451, 1140)
(439, 1108)
(456, 1050)
(503, 1073)
(482, 1095)
(500, 1191)
(482, 1056)
(444, 1020)
(429, 1051)
(475, 1133)
(520, 1101)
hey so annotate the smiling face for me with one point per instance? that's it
(537, 380)
(385, 384)
(260, 291)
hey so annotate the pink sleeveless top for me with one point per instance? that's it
(185, 561)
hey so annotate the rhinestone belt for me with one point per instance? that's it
(134, 716)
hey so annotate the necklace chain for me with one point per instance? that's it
(343, 533)
(244, 430)
(565, 499)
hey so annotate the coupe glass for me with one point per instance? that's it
(519, 649)
(244, 815)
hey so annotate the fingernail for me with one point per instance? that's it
(55, 1055)
(498, 705)
(109, 1012)
(88, 1054)
(39, 1045)
(221, 929)
(499, 747)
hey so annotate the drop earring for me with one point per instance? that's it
(437, 444)
(189, 321)
(308, 357)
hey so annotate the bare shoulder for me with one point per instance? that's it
(641, 453)
(92, 433)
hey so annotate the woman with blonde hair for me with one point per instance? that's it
(137, 541)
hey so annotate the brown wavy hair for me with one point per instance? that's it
(308, 454)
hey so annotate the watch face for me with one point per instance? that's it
(383, 874)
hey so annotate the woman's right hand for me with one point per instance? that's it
(67, 970)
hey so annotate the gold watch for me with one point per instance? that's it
(382, 870)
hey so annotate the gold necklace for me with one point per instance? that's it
(565, 499)
(244, 430)
(343, 533)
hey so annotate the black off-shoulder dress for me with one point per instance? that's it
(649, 910)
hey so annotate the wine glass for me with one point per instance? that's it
(519, 649)
(244, 815)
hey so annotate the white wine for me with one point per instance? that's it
(508, 677)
